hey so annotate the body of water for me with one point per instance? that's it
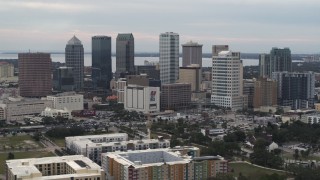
(206, 62)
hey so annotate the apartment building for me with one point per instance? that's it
(55, 168)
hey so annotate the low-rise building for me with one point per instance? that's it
(50, 112)
(69, 100)
(313, 118)
(15, 109)
(94, 150)
(102, 138)
(54, 168)
(160, 164)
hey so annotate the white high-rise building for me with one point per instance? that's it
(169, 57)
(227, 79)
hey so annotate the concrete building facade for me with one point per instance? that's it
(265, 93)
(142, 98)
(6, 70)
(191, 54)
(34, 74)
(227, 81)
(175, 96)
(68, 100)
(169, 57)
(75, 58)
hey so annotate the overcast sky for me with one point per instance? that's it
(246, 25)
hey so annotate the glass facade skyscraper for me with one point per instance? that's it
(124, 54)
(101, 62)
(75, 59)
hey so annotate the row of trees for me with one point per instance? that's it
(62, 132)
(296, 131)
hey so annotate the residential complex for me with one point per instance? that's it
(75, 58)
(101, 62)
(160, 164)
(191, 54)
(55, 168)
(169, 57)
(124, 54)
(68, 100)
(295, 89)
(34, 74)
(175, 96)
(227, 77)
(93, 150)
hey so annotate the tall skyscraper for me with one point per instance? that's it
(124, 54)
(278, 60)
(101, 61)
(34, 74)
(295, 89)
(191, 54)
(74, 58)
(227, 79)
(264, 65)
(169, 57)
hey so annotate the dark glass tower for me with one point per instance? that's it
(75, 59)
(125, 54)
(101, 62)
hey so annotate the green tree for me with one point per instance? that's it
(296, 154)
(10, 155)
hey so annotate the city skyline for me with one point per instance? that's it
(254, 26)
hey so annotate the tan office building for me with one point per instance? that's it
(265, 93)
(192, 75)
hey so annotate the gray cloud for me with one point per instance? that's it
(247, 25)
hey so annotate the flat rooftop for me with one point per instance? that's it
(27, 167)
(150, 157)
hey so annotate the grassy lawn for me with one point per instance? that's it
(58, 141)
(18, 142)
(250, 171)
(22, 155)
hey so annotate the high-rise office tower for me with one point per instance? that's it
(75, 59)
(264, 65)
(227, 79)
(265, 92)
(101, 61)
(63, 79)
(169, 57)
(34, 74)
(191, 54)
(124, 54)
(295, 89)
(278, 60)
